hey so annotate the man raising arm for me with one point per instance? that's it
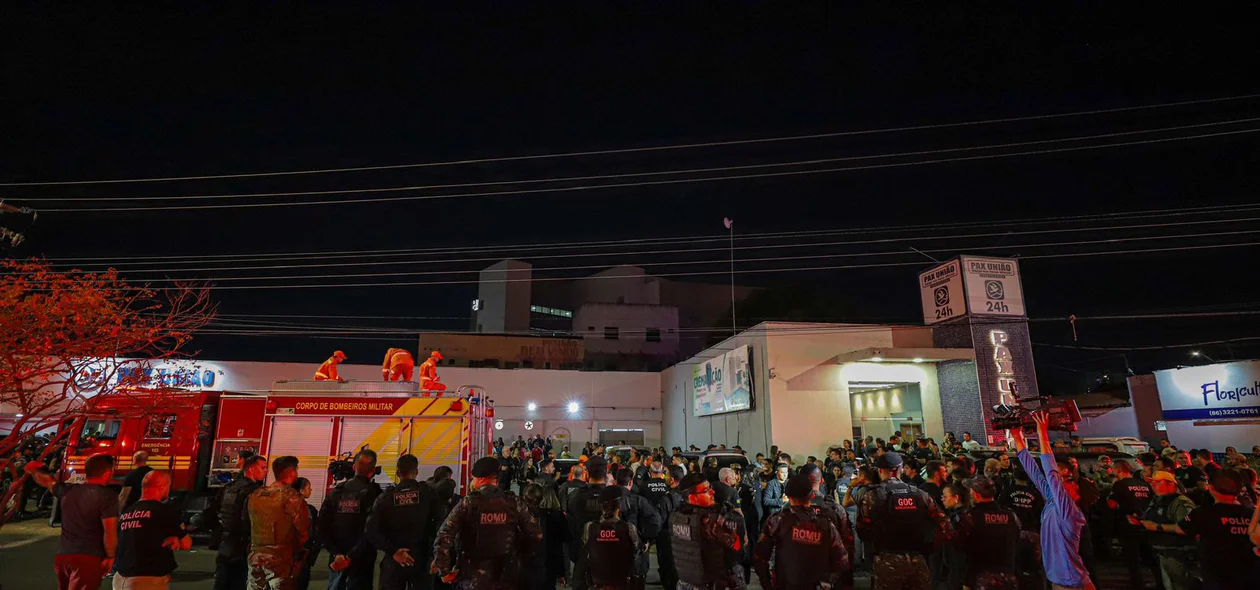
(1061, 519)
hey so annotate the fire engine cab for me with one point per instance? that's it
(197, 436)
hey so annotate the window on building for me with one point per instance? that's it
(611, 333)
(653, 334)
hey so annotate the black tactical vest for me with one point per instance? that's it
(699, 559)
(611, 553)
(903, 524)
(235, 540)
(406, 512)
(657, 491)
(803, 545)
(490, 528)
(351, 502)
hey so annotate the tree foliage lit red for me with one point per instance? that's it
(60, 336)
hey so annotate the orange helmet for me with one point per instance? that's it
(340, 355)
(437, 355)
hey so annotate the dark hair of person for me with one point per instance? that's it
(933, 467)
(960, 474)
(300, 483)
(1167, 463)
(442, 473)
(369, 453)
(254, 460)
(1227, 482)
(533, 495)
(245, 454)
(596, 471)
(408, 466)
(676, 472)
(283, 464)
(98, 465)
(960, 490)
(624, 477)
(869, 473)
(1202, 454)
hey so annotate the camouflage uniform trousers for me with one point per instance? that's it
(270, 571)
(1176, 569)
(994, 581)
(899, 571)
(733, 579)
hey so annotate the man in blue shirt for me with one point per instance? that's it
(1061, 519)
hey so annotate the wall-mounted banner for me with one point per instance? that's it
(723, 383)
(1222, 390)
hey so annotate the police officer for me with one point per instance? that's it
(902, 524)
(826, 505)
(1174, 551)
(1128, 500)
(584, 508)
(702, 539)
(612, 544)
(342, 519)
(403, 523)
(231, 569)
(1023, 498)
(804, 545)
(279, 527)
(637, 510)
(659, 494)
(988, 535)
(496, 535)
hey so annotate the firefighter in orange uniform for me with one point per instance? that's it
(429, 380)
(398, 365)
(328, 370)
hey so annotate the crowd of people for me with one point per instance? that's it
(913, 514)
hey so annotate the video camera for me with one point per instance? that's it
(342, 468)
(1063, 414)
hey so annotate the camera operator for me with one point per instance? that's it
(1061, 519)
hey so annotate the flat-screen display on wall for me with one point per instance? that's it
(724, 383)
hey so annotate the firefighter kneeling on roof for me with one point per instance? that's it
(328, 370)
(429, 380)
(398, 365)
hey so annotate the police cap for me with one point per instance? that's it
(888, 460)
(485, 467)
(611, 494)
(799, 487)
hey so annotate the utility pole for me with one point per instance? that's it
(730, 227)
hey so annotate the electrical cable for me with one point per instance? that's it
(516, 248)
(698, 262)
(639, 174)
(359, 201)
(699, 273)
(647, 149)
(359, 264)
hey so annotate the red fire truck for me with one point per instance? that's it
(197, 435)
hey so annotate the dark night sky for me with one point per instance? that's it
(134, 93)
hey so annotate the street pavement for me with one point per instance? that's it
(27, 548)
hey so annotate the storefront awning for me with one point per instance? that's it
(905, 355)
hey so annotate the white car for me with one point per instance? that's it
(1123, 444)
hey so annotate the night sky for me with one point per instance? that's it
(133, 93)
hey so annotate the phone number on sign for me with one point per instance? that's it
(1225, 412)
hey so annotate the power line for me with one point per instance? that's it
(700, 262)
(647, 149)
(360, 263)
(1151, 347)
(644, 174)
(650, 183)
(543, 246)
(702, 273)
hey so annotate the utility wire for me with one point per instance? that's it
(643, 174)
(699, 262)
(648, 183)
(648, 149)
(702, 273)
(543, 246)
(360, 263)
(1151, 347)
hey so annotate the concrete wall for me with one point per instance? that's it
(619, 284)
(750, 430)
(631, 321)
(504, 291)
(804, 407)
(960, 405)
